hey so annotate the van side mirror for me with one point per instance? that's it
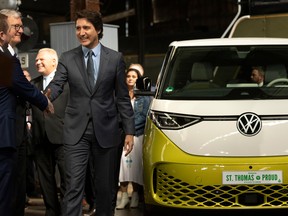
(143, 84)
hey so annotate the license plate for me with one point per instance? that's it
(252, 177)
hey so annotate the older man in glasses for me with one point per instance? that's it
(15, 31)
(15, 27)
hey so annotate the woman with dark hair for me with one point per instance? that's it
(131, 168)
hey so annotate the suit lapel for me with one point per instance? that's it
(39, 83)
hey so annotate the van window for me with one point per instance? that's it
(224, 73)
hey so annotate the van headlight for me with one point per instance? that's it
(172, 121)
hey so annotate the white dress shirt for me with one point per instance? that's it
(47, 79)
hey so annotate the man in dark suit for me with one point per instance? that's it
(91, 120)
(8, 96)
(19, 195)
(47, 134)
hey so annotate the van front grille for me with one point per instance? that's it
(172, 191)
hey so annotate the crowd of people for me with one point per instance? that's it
(86, 122)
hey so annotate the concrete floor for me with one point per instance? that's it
(36, 208)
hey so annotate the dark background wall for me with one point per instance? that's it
(146, 32)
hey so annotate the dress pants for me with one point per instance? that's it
(30, 167)
(19, 181)
(7, 162)
(116, 165)
(47, 157)
(76, 161)
(19, 173)
(89, 185)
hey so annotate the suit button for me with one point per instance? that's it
(88, 114)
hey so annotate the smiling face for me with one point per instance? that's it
(45, 63)
(86, 33)
(15, 30)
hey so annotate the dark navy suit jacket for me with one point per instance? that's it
(20, 87)
(51, 125)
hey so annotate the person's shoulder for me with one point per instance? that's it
(67, 56)
(73, 51)
(148, 98)
(109, 51)
(144, 97)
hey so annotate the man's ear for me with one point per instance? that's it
(2, 36)
(54, 62)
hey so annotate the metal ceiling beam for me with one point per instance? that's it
(118, 16)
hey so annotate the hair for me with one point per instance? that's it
(11, 13)
(3, 23)
(134, 70)
(137, 67)
(259, 69)
(94, 17)
(51, 52)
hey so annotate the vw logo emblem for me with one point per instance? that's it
(249, 124)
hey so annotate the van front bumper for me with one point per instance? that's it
(173, 178)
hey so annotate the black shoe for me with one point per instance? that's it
(91, 212)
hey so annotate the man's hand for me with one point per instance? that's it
(50, 107)
(128, 144)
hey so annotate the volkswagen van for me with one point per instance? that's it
(213, 138)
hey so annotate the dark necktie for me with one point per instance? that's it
(90, 69)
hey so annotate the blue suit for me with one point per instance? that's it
(20, 87)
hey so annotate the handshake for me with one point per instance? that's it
(50, 108)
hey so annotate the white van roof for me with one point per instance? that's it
(230, 41)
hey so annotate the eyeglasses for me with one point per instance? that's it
(17, 27)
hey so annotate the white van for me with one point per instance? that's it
(214, 139)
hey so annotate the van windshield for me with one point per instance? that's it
(226, 73)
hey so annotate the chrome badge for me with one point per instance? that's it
(249, 124)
